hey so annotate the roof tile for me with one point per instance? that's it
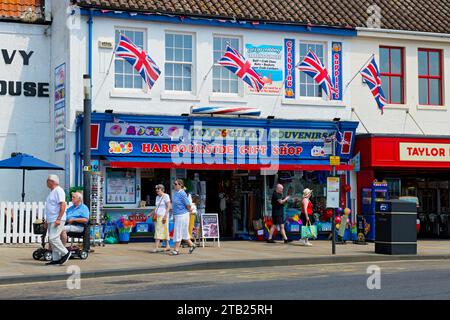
(410, 15)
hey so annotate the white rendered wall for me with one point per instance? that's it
(25, 121)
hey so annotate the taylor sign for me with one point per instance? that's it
(425, 152)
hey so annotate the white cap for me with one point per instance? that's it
(54, 178)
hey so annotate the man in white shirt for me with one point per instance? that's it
(55, 214)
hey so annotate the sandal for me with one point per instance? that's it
(191, 249)
(156, 250)
(168, 249)
(174, 253)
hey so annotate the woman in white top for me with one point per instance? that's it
(161, 211)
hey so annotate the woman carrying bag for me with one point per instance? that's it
(306, 215)
(161, 213)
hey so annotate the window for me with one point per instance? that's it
(224, 81)
(430, 77)
(308, 87)
(178, 67)
(392, 74)
(125, 76)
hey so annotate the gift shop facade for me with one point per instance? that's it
(409, 167)
(232, 163)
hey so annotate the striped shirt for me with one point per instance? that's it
(179, 202)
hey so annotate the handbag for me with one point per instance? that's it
(309, 231)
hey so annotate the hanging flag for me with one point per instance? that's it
(313, 67)
(236, 63)
(140, 60)
(371, 74)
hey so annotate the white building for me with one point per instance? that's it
(25, 91)
(186, 40)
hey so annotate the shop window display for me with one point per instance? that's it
(294, 183)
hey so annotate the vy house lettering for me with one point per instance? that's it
(21, 88)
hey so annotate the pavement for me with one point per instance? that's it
(18, 266)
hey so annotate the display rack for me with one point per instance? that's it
(96, 217)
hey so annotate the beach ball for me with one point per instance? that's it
(347, 211)
(337, 220)
(339, 211)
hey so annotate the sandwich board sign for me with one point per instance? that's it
(210, 227)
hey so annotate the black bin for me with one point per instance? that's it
(396, 227)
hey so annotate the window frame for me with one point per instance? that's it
(430, 77)
(390, 75)
(240, 91)
(144, 87)
(325, 46)
(192, 63)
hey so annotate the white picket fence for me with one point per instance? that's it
(16, 221)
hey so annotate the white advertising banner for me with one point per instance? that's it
(425, 152)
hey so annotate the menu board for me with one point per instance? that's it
(121, 187)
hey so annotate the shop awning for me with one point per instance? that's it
(146, 163)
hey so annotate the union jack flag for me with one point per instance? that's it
(140, 60)
(312, 66)
(236, 63)
(371, 74)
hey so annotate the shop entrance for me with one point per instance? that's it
(149, 179)
(431, 190)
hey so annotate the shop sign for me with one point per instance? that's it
(300, 135)
(250, 134)
(336, 58)
(116, 147)
(424, 152)
(335, 160)
(142, 131)
(317, 151)
(216, 149)
(138, 217)
(289, 68)
(267, 60)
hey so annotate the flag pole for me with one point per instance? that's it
(365, 64)
(282, 90)
(204, 79)
(107, 72)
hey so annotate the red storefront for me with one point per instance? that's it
(412, 166)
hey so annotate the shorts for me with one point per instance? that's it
(73, 228)
(277, 220)
(181, 227)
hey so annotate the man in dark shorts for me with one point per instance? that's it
(277, 213)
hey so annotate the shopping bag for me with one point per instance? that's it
(309, 231)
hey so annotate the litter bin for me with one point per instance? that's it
(396, 227)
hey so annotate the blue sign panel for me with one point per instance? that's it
(336, 58)
(204, 140)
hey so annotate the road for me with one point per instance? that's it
(398, 280)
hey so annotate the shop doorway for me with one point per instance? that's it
(149, 179)
(213, 186)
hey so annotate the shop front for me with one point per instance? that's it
(412, 168)
(233, 164)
